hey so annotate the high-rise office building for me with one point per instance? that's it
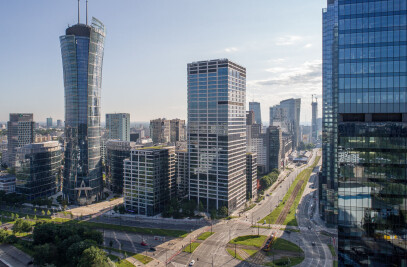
(292, 108)
(255, 107)
(118, 126)
(20, 131)
(314, 125)
(274, 148)
(149, 180)
(255, 142)
(49, 122)
(217, 133)
(38, 169)
(82, 57)
(116, 152)
(177, 130)
(182, 172)
(251, 175)
(365, 114)
(59, 123)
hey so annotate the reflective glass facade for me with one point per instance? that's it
(38, 169)
(82, 58)
(217, 133)
(255, 107)
(370, 60)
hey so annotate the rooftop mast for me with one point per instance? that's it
(86, 12)
(78, 12)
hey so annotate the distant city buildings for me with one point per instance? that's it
(118, 126)
(59, 123)
(49, 122)
(20, 132)
(149, 180)
(164, 131)
(314, 125)
(255, 141)
(82, 56)
(216, 133)
(292, 108)
(251, 175)
(255, 107)
(134, 137)
(38, 169)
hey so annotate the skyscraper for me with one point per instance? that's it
(255, 107)
(59, 123)
(217, 133)
(49, 122)
(20, 131)
(165, 131)
(118, 126)
(82, 57)
(364, 69)
(292, 108)
(314, 126)
(274, 148)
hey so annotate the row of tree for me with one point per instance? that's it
(268, 180)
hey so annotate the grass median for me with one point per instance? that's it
(234, 254)
(282, 244)
(249, 240)
(190, 248)
(142, 258)
(205, 235)
(290, 219)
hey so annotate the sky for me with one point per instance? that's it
(147, 48)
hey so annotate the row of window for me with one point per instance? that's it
(373, 37)
(373, 82)
(372, 22)
(371, 7)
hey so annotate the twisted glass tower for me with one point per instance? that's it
(82, 57)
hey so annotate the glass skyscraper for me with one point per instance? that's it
(82, 58)
(365, 79)
(217, 133)
(255, 107)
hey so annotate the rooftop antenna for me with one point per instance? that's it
(78, 12)
(86, 12)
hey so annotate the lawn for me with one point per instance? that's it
(151, 231)
(282, 244)
(332, 249)
(142, 258)
(290, 219)
(249, 240)
(190, 248)
(124, 263)
(232, 253)
(286, 261)
(205, 235)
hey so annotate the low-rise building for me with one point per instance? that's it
(38, 169)
(7, 182)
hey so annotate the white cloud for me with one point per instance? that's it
(231, 49)
(308, 46)
(288, 40)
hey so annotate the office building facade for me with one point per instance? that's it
(365, 42)
(274, 148)
(116, 152)
(149, 180)
(255, 107)
(251, 175)
(182, 173)
(20, 132)
(217, 133)
(118, 126)
(314, 126)
(292, 109)
(59, 123)
(7, 182)
(82, 58)
(49, 122)
(164, 131)
(38, 170)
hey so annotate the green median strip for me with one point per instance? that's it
(190, 248)
(249, 240)
(290, 219)
(282, 244)
(142, 258)
(285, 261)
(332, 249)
(205, 235)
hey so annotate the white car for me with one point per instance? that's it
(192, 263)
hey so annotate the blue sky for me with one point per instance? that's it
(148, 45)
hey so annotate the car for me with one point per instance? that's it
(153, 249)
(309, 227)
(143, 243)
(192, 263)
(313, 243)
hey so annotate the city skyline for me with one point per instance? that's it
(270, 53)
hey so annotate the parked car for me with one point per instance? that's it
(143, 243)
(192, 263)
(153, 249)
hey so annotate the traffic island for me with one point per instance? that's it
(205, 235)
(284, 253)
(190, 248)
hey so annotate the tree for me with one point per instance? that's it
(35, 217)
(201, 207)
(93, 257)
(12, 216)
(223, 211)
(48, 213)
(213, 214)
(46, 253)
(21, 226)
(265, 182)
(43, 213)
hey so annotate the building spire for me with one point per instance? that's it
(86, 12)
(78, 12)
